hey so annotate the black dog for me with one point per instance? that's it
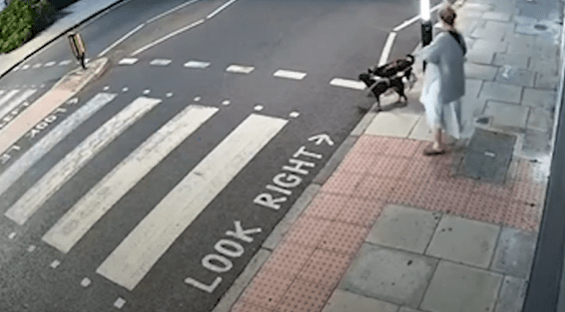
(380, 86)
(398, 68)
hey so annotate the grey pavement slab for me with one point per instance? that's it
(512, 293)
(464, 240)
(404, 228)
(548, 67)
(515, 76)
(490, 44)
(480, 57)
(514, 252)
(536, 143)
(539, 98)
(342, 300)
(493, 34)
(545, 48)
(492, 90)
(507, 115)
(546, 81)
(518, 60)
(391, 275)
(473, 87)
(497, 16)
(460, 288)
(478, 71)
(540, 120)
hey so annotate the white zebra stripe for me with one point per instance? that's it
(14, 172)
(102, 197)
(142, 248)
(8, 96)
(6, 109)
(59, 174)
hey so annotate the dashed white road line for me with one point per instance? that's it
(55, 264)
(36, 66)
(282, 73)
(171, 10)
(65, 62)
(258, 107)
(85, 282)
(346, 83)
(170, 94)
(388, 47)
(50, 64)
(196, 99)
(294, 114)
(160, 62)
(226, 103)
(196, 64)
(25, 67)
(218, 10)
(113, 45)
(127, 61)
(12, 235)
(176, 32)
(240, 69)
(119, 303)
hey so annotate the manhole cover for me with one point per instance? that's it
(488, 156)
(540, 27)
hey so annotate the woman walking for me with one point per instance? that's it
(444, 83)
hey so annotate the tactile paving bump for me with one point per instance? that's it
(450, 197)
(486, 208)
(266, 289)
(373, 187)
(325, 268)
(403, 147)
(357, 163)
(523, 216)
(529, 192)
(361, 212)
(326, 205)
(288, 259)
(389, 167)
(342, 182)
(307, 231)
(343, 238)
(304, 297)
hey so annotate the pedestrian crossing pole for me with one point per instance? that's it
(426, 26)
(77, 47)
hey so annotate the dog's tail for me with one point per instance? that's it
(411, 58)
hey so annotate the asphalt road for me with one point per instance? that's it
(264, 132)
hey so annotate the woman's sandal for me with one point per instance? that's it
(430, 151)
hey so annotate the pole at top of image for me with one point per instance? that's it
(426, 24)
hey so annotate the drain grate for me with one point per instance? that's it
(488, 156)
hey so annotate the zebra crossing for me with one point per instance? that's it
(128, 263)
(13, 102)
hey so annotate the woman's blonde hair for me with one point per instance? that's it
(447, 14)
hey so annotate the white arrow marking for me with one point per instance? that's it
(321, 138)
(73, 101)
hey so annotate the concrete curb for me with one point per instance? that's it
(50, 39)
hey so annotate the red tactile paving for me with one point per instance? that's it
(247, 307)
(362, 212)
(325, 268)
(420, 171)
(307, 231)
(486, 208)
(405, 192)
(342, 183)
(389, 167)
(492, 190)
(304, 297)
(373, 187)
(326, 205)
(357, 163)
(371, 144)
(533, 193)
(343, 238)
(405, 148)
(288, 259)
(266, 289)
(446, 196)
(523, 216)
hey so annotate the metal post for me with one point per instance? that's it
(426, 26)
(77, 47)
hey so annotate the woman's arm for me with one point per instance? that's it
(432, 52)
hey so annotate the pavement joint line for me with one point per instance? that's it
(218, 10)
(178, 7)
(176, 32)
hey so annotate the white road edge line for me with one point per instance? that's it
(346, 83)
(414, 19)
(225, 5)
(388, 47)
(171, 11)
(154, 43)
(121, 40)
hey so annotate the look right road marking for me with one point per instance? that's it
(65, 169)
(91, 207)
(14, 172)
(142, 248)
